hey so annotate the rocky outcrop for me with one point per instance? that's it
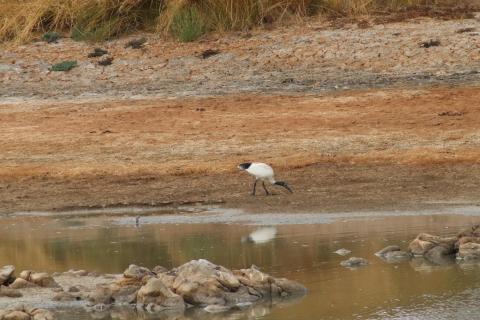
(198, 283)
(21, 312)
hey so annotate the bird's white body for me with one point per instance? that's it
(261, 171)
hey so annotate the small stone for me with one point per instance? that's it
(101, 295)
(137, 272)
(16, 315)
(10, 293)
(20, 283)
(386, 250)
(159, 269)
(6, 273)
(214, 308)
(43, 279)
(25, 275)
(354, 262)
(343, 252)
(63, 296)
(42, 314)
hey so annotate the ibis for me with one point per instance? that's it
(262, 172)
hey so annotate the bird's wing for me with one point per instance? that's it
(261, 170)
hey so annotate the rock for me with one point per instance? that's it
(167, 279)
(124, 294)
(199, 282)
(80, 273)
(42, 314)
(472, 231)
(397, 256)
(469, 251)
(101, 295)
(354, 262)
(291, 288)
(393, 254)
(425, 242)
(10, 293)
(25, 275)
(343, 252)
(159, 269)
(137, 272)
(386, 250)
(64, 296)
(438, 253)
(43, 279)
(213, 308)
(6, 274)
(16, 315)
(73, 289)
(155, 292)
(20, 283)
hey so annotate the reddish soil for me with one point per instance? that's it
(340, 151)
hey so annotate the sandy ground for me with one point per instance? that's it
(363, 150)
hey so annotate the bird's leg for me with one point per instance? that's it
(265, 188)
(254, 186)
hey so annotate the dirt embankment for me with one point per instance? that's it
(339, 151)
(305, 58)
(109, 136)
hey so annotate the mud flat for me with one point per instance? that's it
(369, 150)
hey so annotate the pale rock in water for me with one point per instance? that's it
(343, 252)
(354, 262)
(6, 273)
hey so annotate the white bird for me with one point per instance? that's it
(262, 171)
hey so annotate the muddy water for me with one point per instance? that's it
(409, 290)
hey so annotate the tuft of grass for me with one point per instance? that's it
(64, 66)
(51, 36)
(187, 24)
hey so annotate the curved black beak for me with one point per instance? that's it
(285, 185)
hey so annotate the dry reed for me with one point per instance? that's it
(96, 20)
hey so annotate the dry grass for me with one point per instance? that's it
(95, 20)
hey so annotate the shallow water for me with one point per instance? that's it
(409, 290)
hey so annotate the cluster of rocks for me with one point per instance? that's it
(196, 283)
(21, 312)
(9, 284)
(465, 246)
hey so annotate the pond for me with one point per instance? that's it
(415, 289)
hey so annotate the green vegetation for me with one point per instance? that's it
(187, 24)
(187, 20)
(64, 66)
(51, 36)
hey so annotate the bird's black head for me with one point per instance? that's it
(244, 166)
